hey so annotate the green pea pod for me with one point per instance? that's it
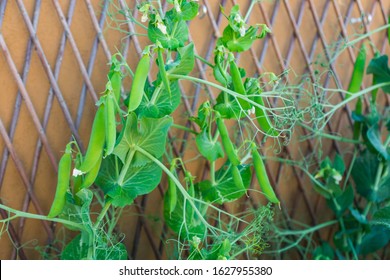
(110, 124)
(238, 85)
(137, 88)
(355, 84)
(262, 176)
(77, 181)
(90, 177)
(227, 144)
(116, 83)
(191, 192)
(63, 180)
(171, 192)
(237, 179)
(358, 71)
(96, 142)
(263, 119)
(163, 72)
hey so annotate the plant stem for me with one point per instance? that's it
(204, 61)
(179, 186)
(102, 214)
(347, 239)
(224, 89)
(248, 13)
(330, 136)
(352, 96)
(27, 215)
(182, 127)
(156, 93)
(212, 172)
(307, 231)
(125, 168)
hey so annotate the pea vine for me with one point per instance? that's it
(128, 152)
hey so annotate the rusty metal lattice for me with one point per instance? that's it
(53, 60)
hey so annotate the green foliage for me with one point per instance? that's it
(131, 157)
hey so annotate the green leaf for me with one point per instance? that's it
(204, 112)
(374, 136)
(177, 32)
(342, 202)
(376, 239)
(210, 149)
(358, 216)
(234, 42)
(163, 105)
(324, 252)
(148, 134)
(186, 223)
(381, 71)
(188, 10)
(364, 173)
(77, 249)
(382, 217)
(219, 251)
(139, 180)
(338, 164)
(228, 106)
(184, 62)
(224, 189)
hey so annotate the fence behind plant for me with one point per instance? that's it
(53, 65)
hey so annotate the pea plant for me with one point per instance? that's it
(358, 194)
(362, 211)
(127, 154)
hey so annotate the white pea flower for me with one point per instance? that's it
(177, 6)
(242, 31)
(162, 27)
(144, 17)
(337, 177)
(237, 18)
(196, 240)
(251, 111)
(77, 172)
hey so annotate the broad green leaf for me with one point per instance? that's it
(163, 105)
(228, 107)
(187, 11)
(376, 239)
(219, 69)
(338, 164)
(358, 216)
(183, 220)
(234, 42)
(77, 249)
(219, 251)
(139, 180)
(148, 134)
(324, 252)
(382, 217)
(364, 172)
(224, 189)
(210, 149)
(342, 202)
(380, 69)
(204, 112)
(177, 32)
(373, 135)
(184, 62)
(341, 242)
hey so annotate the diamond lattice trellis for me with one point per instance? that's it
(53, 61)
